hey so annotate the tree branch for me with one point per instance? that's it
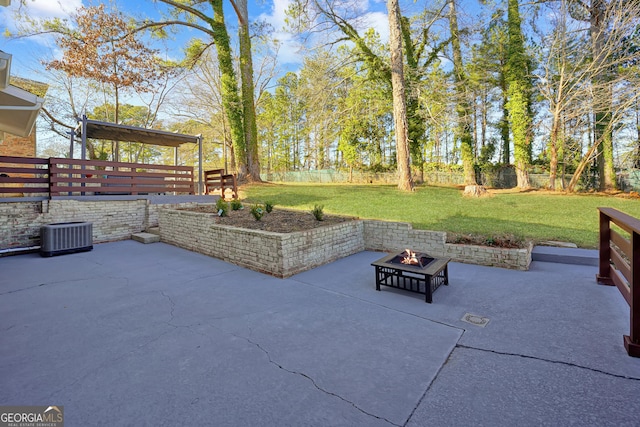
(188, 9)
(170, 23)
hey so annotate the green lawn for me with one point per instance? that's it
(536, 216)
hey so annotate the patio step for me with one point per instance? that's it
(145, 237)
(575, 256)
(154, 230)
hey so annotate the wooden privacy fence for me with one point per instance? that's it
(620, 266)
(23, 176)
(74, 177)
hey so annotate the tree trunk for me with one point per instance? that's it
(553, 152)
(116, 145)
(230, 99)
(602, 97)
(463, 130)
(405, 181)
(416, 126)
(581, 166)
(519, 93)
(504, 125)
(248, 97)
(475, 191)
(636, 159)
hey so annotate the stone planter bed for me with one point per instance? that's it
(286, 254)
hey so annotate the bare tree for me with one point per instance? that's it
(98, 49)
(571, 80)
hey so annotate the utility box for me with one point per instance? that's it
(66, 238)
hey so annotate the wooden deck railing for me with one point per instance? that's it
(620, 266)
(73, 177)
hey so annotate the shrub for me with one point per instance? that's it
(257, 212)
(268, 206)
(236, 204)
(222, 207)
(317, 212)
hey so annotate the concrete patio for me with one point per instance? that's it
(134, 334)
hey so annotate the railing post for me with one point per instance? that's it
(632, 341)
(604, 269)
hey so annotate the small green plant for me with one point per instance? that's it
(222, 207)
(317, 212)
(268, 206)
(236, 204)
(257, 212)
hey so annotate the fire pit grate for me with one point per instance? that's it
(413, 272)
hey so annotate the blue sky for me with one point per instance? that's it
(28, 52)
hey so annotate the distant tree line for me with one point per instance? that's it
(549, 86)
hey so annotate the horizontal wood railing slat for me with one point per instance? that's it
(17, 190)
(13, 180)
(8, 170)
(621, 265)
(623, 243)
(24, 160)
(621, 284)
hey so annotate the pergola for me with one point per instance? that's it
(95, 129)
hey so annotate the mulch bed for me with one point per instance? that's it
(278, 220)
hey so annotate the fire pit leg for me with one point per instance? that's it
(428, 297)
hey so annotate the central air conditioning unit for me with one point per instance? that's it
(66, 238)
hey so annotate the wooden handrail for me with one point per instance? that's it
(619, 265)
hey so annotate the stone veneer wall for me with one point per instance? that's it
(275, 253)
(397, 236)
(112, 220)
(286, 254)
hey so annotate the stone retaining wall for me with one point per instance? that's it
(397, 236)
(112, 220)
(281, 255)
(285, 254)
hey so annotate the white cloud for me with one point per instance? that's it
(37, 10)
(29, 51)
(379, 21)
(46, 9)
(289, 48)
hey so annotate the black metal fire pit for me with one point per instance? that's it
(414, 272)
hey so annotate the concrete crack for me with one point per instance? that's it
(50, 284)
(315, 384)
(173, 306)
(559, 362)
(172, 315)
(433, 380)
